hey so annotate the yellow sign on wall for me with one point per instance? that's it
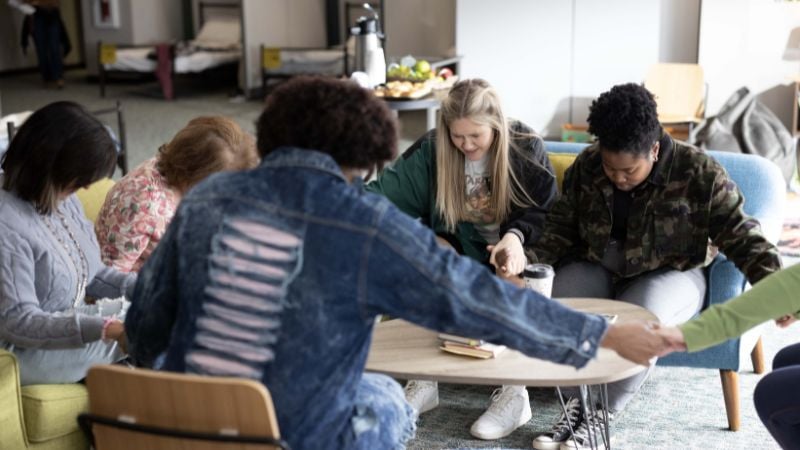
(108, 53)
(271, 58)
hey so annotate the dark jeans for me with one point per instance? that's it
(777, 398)
(47, 38)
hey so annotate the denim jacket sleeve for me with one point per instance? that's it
(154, 303)
(437, 289)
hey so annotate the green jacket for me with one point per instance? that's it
(687, 201)
(410, 183)
(776, 296)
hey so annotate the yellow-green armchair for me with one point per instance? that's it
(44, 416)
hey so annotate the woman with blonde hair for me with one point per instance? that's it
(138, 209)
(484, 184)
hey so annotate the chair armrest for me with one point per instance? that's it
(12, 426)
(725, 281)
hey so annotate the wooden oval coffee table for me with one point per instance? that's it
(406, 351)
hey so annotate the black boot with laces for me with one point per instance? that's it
(559, 432)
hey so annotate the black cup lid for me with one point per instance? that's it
(537, 271)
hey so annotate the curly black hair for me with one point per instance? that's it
(332, 116)
(625, 119)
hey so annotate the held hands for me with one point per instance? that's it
(641, 341)
(507, 256)
(116, 331)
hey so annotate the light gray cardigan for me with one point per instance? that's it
(38, 280)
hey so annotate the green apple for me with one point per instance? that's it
(422, 66)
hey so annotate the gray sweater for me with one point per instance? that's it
(38, 280)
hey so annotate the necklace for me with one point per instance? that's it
(81, 264)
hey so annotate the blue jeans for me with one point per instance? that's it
(382, 418)
(777, 398)
(671, 295)
(47, 39)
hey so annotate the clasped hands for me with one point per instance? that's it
(116, 332)
(507, 256)
(640, 341)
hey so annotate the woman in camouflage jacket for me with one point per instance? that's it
(639, 217)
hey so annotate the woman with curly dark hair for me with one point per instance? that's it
(278, 274)
(640, 216)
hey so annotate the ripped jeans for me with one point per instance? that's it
(382, 418)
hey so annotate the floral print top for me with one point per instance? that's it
(134, 217)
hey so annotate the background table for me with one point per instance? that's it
(403, 350)
(429, 103)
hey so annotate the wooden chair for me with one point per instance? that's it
(140, 408)
(680, 93)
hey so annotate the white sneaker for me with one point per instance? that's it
(510, 408)
(423, 396)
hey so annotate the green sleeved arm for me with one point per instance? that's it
(775, 296)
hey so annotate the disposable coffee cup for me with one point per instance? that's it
(539, 277)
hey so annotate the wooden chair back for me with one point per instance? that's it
(679, 90)
(140, 408)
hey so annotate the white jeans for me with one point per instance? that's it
(44, 366)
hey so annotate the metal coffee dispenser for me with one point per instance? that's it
(369, 57)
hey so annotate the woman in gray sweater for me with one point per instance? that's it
(49, 257)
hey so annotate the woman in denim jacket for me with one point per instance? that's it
(278, 274)
(483, 184)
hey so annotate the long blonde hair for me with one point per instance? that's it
(476, 100)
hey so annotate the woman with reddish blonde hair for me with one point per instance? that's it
(138, 209)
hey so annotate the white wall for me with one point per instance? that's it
(680, 25)
(156, 20)
(549, 58)
(742, 43)
(92, 35)
(420, 27)
(141, 22)
(615, 41)
(11, 56)
(279, 23)
(524, 49)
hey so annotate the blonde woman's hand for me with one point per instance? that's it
(508, 256)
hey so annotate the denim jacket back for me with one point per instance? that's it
(278, 274)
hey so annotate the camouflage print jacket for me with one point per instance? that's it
(685, 204)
